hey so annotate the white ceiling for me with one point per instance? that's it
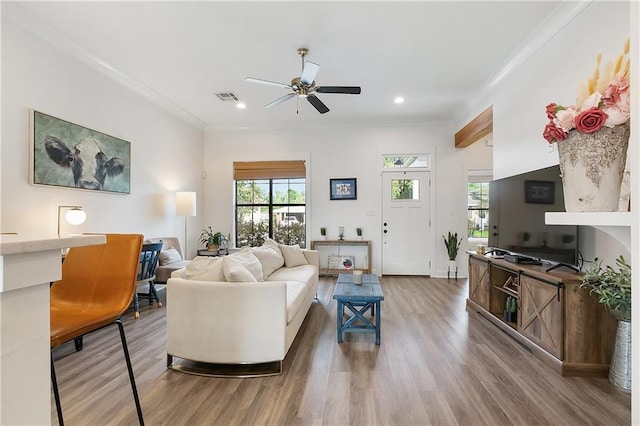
(436, 54)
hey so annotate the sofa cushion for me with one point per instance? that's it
(296, 294)
(246, 259)
(293, 255)
(270, 259)
(236, 272)
(205, 268)
(304, 273)
(168, 256)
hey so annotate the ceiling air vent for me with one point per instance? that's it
(227, 97)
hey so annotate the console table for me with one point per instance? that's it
(27, 266)
(560, 322)
(361, 250)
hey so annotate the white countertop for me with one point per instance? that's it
(15, 244)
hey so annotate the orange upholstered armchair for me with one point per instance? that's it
(97, 286)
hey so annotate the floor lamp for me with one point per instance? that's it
(185, 206)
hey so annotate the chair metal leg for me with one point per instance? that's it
(130, 369)
(56, 394)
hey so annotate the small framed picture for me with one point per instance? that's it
(539, 191)
(343, 189)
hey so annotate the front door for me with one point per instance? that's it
(405, 223)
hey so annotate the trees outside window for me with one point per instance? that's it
(274, 208)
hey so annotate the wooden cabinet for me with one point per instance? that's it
(479, 282)
(541, 313)
(331, 250)
(560, 322)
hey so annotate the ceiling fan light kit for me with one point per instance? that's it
(305, 85)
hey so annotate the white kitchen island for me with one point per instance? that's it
(27, 266)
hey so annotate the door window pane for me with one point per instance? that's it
(405, 189)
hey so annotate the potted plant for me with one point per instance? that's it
(213, 240)
(511, 309)
(452, 244)
(359, 233)
(613, 288)
(323, 233)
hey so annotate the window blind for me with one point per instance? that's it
(246, 170)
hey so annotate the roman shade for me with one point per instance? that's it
(247, 170)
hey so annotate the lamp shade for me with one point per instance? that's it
(75, 216)
(185, 204)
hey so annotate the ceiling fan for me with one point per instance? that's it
(304, 86)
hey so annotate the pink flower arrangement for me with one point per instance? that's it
(605, 104)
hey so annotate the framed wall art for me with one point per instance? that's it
(343, 189)
(68, 155)
(539, 191)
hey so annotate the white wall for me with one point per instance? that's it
(165, 152)
(344, 153)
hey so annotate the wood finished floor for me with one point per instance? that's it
(438, 364)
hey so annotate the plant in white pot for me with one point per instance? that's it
(452, 243)
(323, 233)
(212, 239)
(359, 233)
(613, 288)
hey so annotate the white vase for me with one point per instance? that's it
(592, 167)
(620, 368)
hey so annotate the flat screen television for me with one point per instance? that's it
(517, 206)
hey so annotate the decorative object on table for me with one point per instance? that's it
(359, 233)
(511, 309)
(323, 233)
(452, 243)
(67, 155)
(341, 233)
(212, 239)
(343, 189)
(613, 289)
(186, 207)
(593, 138)
(357, 277)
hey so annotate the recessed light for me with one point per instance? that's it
(398, 100)
(240, 105)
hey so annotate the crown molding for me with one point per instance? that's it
(15, 13)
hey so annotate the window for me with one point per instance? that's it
(270, 207)
(478, 212)
(405, 189)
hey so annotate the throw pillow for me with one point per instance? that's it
(269, 259)
(235, 271)
(248, 260)
(205, 268)
(293, 255)
(168, 256)
(272, 244)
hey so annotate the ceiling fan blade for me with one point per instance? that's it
(309, 72)
(350, 90)
(280, 100)
(317, 104)
(271, 83)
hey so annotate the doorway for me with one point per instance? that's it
(405, 223)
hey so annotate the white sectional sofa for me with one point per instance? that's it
(241, 309)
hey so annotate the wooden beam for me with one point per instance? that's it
(477, 128)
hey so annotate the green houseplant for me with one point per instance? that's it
(452, 244)
(212, 239)
(323, 232)
(613, 288)
(359, 233)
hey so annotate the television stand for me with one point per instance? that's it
(565, 265)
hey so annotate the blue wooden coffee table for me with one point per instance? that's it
(358, 299)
